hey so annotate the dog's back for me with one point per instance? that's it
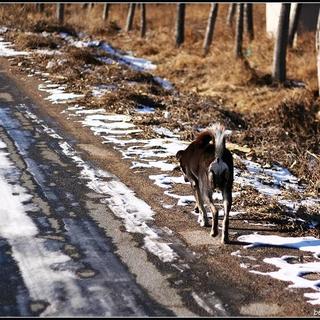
(193, 158)
(197, 157)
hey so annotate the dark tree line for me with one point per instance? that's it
(242, 12)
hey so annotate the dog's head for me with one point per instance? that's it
(179, 154)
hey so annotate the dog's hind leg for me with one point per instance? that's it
(196, 206)
(202, 217)
(214, 229)
(227, 201)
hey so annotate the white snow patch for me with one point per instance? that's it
(168, 206)
(89, 111)
(291, 272)
(310, 244)
(48, 52)
(58, 94)
(182, 200)
(266, 181)
(166, 84)
(144, 109)
(3, 30)
(14, 222)
(127, 58)
(124, 204)
(110, 124)
(164, 132)
(2, 145)
(164, 181)
(98, 91)
(201, 303)
(138, 64)
(162, 165)
(7, 51)
(294, 272)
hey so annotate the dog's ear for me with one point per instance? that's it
(179, 154)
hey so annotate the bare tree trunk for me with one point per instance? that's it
(60, 12)
(105, 13)
(41, 7)
(318, 50)
(181, 12)
(210, 27)
(132, 7)
(249, 20)
(296, 7)
(280, 48)
(143, 20)
(231, 12)
(239, 31)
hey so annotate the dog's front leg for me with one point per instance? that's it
(227, 201)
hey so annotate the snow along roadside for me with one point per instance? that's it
(120, 199)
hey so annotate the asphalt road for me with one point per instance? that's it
(68, 267)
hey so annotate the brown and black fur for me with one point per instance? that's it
(208, 165)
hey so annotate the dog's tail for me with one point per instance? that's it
(220, 133)
(218, 167)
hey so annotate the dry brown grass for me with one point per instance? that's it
(281, 122)
(34, 41)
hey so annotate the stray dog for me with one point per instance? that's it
(207, 164)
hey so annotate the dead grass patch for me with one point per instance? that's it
(77, 56)
(35, 41)
(52, 26)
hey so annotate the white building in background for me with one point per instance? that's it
(307, 21)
